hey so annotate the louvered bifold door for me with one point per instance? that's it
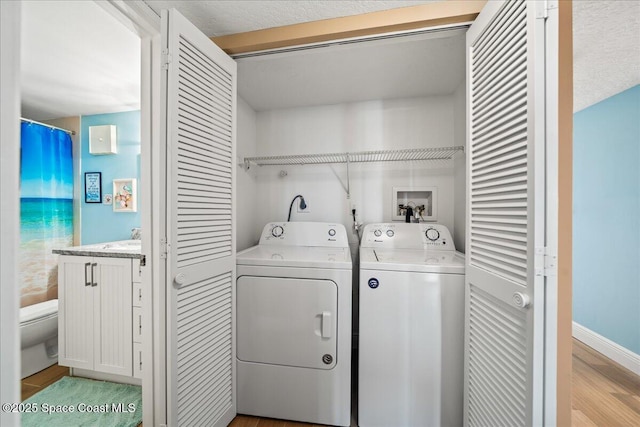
(200, 119)
(504, 295)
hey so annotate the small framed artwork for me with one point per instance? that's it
(125, 196)
(93, 187)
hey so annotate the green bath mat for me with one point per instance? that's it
(88, 403)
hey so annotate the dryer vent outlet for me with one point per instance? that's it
(303, 207)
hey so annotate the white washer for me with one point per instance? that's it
(411, 336)
(294, 324)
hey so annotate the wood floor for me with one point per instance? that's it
(604, 393)
(36, 382)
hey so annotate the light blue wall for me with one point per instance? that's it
(606, 218)
(99, 222)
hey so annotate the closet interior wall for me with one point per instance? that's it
(264, 194)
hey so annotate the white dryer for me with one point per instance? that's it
(411, 337)
(294, 324)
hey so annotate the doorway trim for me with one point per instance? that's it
(141, 20)
(557, 401)
(10, 18)
(375, 23)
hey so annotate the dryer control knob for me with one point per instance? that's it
(332, 232)
(390, 233)
(378, 233)
(277, 231)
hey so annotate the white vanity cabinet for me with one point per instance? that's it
(95, 313)
(137, 330)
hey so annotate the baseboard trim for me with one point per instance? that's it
(103, 376)
(613, 351)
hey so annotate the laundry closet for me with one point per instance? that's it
(386, 94)
(366, 132)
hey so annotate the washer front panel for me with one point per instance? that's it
(411, 349)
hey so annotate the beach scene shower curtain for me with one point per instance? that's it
(46, 209)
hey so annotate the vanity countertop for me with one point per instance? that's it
(119, 249)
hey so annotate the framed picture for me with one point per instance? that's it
(125, 196)
(93, 187)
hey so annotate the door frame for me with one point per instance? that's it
(558, 339)
(142, 21)
(10, 15)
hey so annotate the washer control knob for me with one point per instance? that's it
(390, 233)
(377, 233)
(277, 231)
(332, 232)
(432, 234)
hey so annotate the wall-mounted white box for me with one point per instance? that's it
(102, 139)
(415, 197)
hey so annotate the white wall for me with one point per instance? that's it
(372, 125)
(460, 173)
(246, 189)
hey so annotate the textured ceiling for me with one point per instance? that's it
(78, 60)
(218, 18)
(606, 49)
(404, 67)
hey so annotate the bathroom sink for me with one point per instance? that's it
(127, 248)
(124, 244)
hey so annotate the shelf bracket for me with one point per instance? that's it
(348, 180)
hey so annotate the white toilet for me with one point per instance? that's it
(39, 336)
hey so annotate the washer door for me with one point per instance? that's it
(287, 321)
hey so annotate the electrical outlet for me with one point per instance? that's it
(305, 210)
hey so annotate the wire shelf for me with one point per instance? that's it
(414, 154)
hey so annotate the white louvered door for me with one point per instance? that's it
(200, 119)
(504, 327)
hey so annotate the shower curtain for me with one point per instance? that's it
(46, 208)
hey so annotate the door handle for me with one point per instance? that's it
(87, 282)
(521, 300)
(326, 324)
(93, 270)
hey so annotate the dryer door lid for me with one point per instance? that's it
(287, 321)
